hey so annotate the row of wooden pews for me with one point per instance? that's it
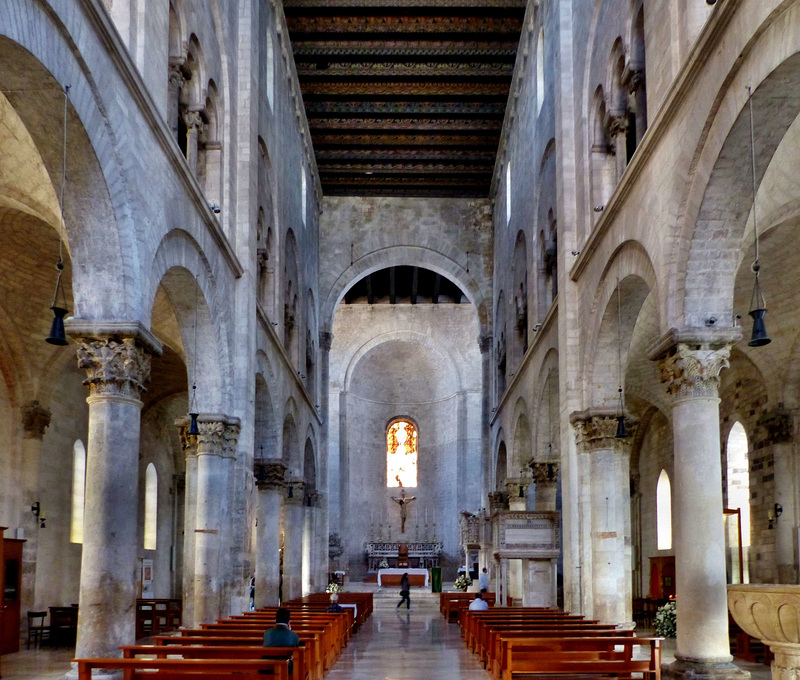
(540, 641)
(233, 648)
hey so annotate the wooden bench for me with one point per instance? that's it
(300, 669)
(580, 656)
(185, 669)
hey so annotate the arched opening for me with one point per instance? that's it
(637, 85)
(508, 193)
(303, 194)
(501, 468)
(150, 508)
(520, 278)
(500, 346)
(270, 69)
(78, 491)
(663, 512)
(209, 155)
(540, 70)
(291, 320)
(401, 454)
(603, 168)
(738, 498)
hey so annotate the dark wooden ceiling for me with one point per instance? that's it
(405, 97)
(404, 285)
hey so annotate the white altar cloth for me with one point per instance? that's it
(400, 572)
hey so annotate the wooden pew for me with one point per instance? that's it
(584, 656)
(300, 669)
(186, 669)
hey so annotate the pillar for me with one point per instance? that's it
(609, 480)
(309, 517)
(323, 501)
(777, 429)
(321, 543)
(233, 582)
(618, 129)
(690, 366)
(485, 343)
(117, 367)
(293, 525)
(208, 517)
(176, 82)
(270, 481)
(35, 420)
(194, 125)
(515, 492)
(189, 446)
(640, 97)
(498, 503)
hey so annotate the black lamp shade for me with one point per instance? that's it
(759, 338)
(193, 429)
(622, 431)
(58, 335)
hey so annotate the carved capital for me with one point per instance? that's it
(596, 430)
(295, 492)
(211, 440)
(230, 438)
(35, 419)
(188, 442)
(325, 341)
(270, 474)
(618, 124)
(692, 371)
(312, 499)
(516, 488)
(637, 81)
(115, 368)
(498, 501)
(176, 79)
(544, 474)
(193, 120)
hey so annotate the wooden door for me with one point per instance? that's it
(12, 590)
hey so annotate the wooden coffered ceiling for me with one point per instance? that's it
(405, 97)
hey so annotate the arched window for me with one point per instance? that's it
(738, 469)
(664, 512)
(78, 491)
(540, 71)
(150, 507)
(401, 454)
(270, 71)
(303, 194)
(508, 193)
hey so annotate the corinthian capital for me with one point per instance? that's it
(270, 474)
(690, 372)
(544, 473)
(230, 437)
(211, 439)
(596, 430)
(35, 419)
(114, 368)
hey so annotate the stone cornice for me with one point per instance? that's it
(710, 338)
(678, 92)
(97, 328)
(270, 473)
(534, 342)
(98, 17)
(287, 362)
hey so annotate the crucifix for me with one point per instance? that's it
(403, 501)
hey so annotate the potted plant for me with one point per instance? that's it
(462, 583)
(667, 620)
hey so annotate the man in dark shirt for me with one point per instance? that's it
(281, 635)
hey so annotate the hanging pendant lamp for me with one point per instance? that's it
(758, 304)
(622, 430)
(193, 429)
(193, 413)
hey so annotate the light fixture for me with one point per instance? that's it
(193, 413)
(36, 509)
(58, 335)
(773, 513)
(758, 304)
(622, 431)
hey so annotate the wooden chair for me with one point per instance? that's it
(37, 631)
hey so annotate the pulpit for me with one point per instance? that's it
(402, 556)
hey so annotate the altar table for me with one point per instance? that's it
(391, 577)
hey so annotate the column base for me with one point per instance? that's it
(687, 669)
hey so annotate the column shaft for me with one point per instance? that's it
(293, 525)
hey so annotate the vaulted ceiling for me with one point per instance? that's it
(405, 97)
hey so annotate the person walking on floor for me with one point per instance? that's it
(405, 590)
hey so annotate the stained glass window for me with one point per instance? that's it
(401, 454)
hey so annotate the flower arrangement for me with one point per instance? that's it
(463, 582)
(666, 620)
(383, 565)
(333, 589)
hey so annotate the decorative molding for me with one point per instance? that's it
(211, 439)
(90, 329)
(544, 474)
(230, 438)
(188, 442)
(114, 368)
(35, 420)
(270, 474)
(596, 429)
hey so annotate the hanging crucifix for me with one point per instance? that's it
(403, 501)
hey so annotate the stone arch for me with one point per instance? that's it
(500, 345)
(546, 265)
(177, 30)
(266, 427)
(310, 463)
(440, 261)
(98, 227)
(312, 335)
(291, 444)
(501, 463)
(181, 269)
(522, 449)
(267, 242)
(292, 321)
(192, 94)
(210, 170)
(721, 163)
(631, 267)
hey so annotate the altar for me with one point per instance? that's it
(422, 555)
(391, 577)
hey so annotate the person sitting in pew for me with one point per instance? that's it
(281, 635)
(335, 607)
(478, 604)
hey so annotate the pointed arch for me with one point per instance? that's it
(664, 512)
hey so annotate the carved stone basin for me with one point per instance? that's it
(770, 612)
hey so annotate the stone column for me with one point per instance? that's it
(117, 368)
(640, 96)
(309, 515)
(515, 492)
(690, 363)
(323, 508)
(232, 580)
(321, 543)
(194, 125)
(189, 446)
(618, 129)
(609, 475)
(270, 481)
(293, 524)
(498, 503)
(777, 432)
(485, 343)
(35, 420)
(545, 477)
(211, 484)
(176, 82)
